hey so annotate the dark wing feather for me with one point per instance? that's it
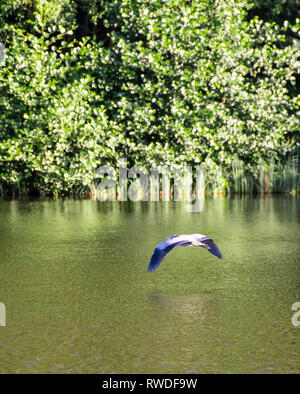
(213, 247)
(158, 255)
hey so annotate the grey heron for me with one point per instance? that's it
(181, 240)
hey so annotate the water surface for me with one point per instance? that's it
(79, 299)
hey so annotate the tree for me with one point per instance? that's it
(160, 82)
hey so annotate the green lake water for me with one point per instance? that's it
(79, 299)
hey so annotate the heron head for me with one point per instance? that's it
(204, 246)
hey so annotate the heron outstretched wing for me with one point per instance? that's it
(158, 255)
(212, 247)
(181, 240)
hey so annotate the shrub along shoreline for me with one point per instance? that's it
(158, 82)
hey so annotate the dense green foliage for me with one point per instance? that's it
(159, 82)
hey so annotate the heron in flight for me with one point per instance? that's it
(181, 240)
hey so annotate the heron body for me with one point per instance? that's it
(181, 240)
